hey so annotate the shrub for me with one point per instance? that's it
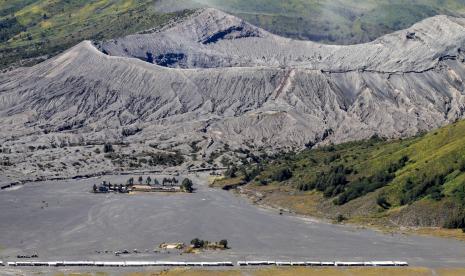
(282, 174)
(462, 166)
(107, 148)
(198, 243)
(340, 218)
(455, 221)
(382, 202)
(130, 131)
(165, 159)
(231, 172)
(224, 243)
(187, 185)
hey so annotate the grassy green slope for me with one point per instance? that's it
(375, 178)
(30, 28)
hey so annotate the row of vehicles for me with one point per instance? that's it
(163, 263)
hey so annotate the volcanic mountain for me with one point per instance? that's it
(216, 81)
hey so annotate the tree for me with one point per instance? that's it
(95, 188)
(231, 172)
(155, 182)
(149, 57)
(224, 243)
(165, 180)
(130, 181)
(340, 218)
(141, 179)
(108, 148)
(148, 180)
(186, 185)
(197, 243)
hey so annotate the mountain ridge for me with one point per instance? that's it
(85, 94)
(306, 54)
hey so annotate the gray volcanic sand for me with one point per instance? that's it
(77, 223)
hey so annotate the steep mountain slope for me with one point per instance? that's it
(33, 29)
(413, 182)
(236, 85)
(211, 39)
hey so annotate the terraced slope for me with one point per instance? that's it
(412, 182)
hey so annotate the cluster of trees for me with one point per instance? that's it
(186, 184)
(10, 27)
(363, 186)
(149, 181)
(107, 187)
(423, 186)
(334, 182)
(281, 174)
(171, 181)
(250, 175)
(331, 183)
(455, 221)
(165, 159)
(198, 243)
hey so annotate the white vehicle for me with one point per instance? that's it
(349, 264)
(383, 263)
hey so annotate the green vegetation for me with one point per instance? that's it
(336, 21)
(32, 28)
(151, 159)
(187, 185)
(427, 169)
(202, 244)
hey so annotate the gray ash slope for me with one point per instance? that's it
(224, 81)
